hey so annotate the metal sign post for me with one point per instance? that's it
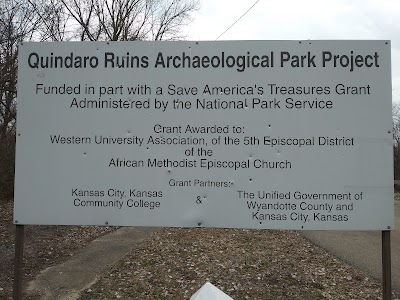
(18, 262)
(386, 266)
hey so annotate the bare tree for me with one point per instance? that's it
(114, 20)
(18, 22)
(53, 20)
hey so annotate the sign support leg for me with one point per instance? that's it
(386, 266)
(18, 262)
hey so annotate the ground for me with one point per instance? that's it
(245, 264)
(44, 246)
(173, 263)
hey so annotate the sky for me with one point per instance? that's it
(303, 20)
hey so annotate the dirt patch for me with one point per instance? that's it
(245, 264)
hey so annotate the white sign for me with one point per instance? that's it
(248, 134)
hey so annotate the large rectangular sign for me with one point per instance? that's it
(247, 134)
